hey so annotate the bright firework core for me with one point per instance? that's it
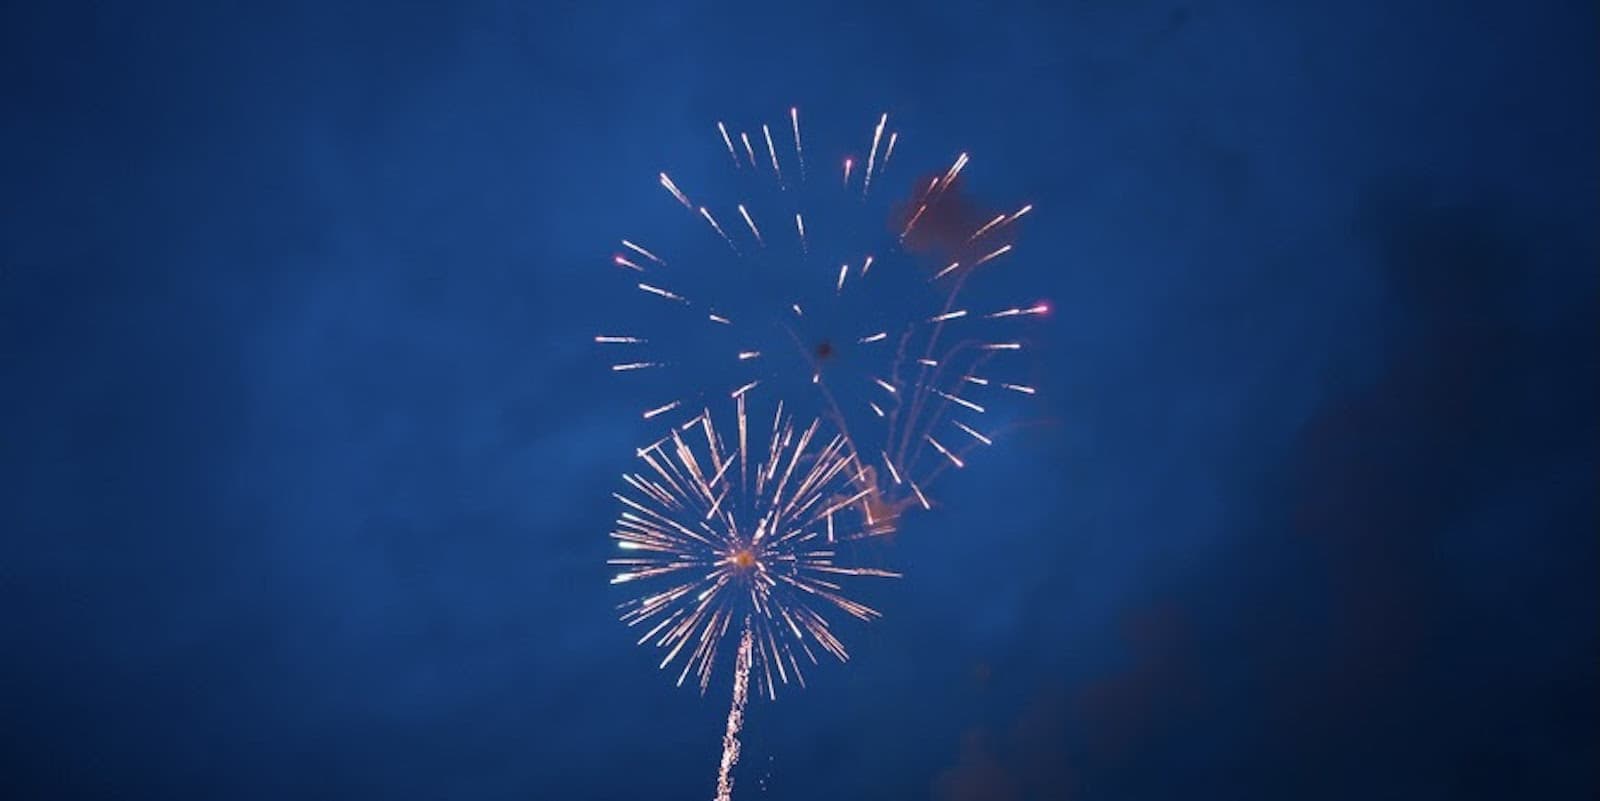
(744, 559)
(741, 527)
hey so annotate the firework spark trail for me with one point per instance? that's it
(730, 737)
(733, 554)
(929, 381)
(913, 391)
(724, 234)
(932, 194)
(752, 223)
(919, 419)
(872, 156)
(799, 155)
(673, 188)
(748, 150)
(729, 142)
(771, 151)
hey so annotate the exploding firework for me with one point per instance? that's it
(741, 539)
(813, 280)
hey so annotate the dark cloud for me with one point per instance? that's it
(1378, 627)
(305, 461)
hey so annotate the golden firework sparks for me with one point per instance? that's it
(724, 559)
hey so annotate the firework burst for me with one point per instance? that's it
(852, 301)
(741, 540)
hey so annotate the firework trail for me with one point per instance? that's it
(730, 737)
(862, 310)
(742, 534)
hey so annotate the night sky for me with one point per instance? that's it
(306, 457)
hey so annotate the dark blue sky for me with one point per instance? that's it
(305, 460)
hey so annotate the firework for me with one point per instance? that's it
(741, 539)
(851, 299)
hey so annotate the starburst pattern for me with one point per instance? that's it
(848, 300)
(743, 534)
(745, 537)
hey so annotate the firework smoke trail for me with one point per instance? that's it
(920, 387)
(931, 405)
(730, 737)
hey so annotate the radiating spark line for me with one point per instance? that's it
(724, 234)
(920, 496)
(878, 410)
(946, 271)
(927, 363)
(642, 252)
(893, 137)
(622, 261)
(890, 464)
(913, 223)
(746, 388)
(1001, 251)
(1003, 346)
(960, 401)
(844, 270)
(972, 379)
(1039, 308)
(865, 266)
(655, 290)
(848, 163)
(634, 366)
(746, 355)
(673, 188)
(744, 459)
(955, 315)
(955, 169)
(872, 156)
(1026, 390)
(729, 142)
(885, 384)
(999, 218)
(800, 226)
(748, 150)
(772, 152)
(752, 223)
(878, 337)
(799, 155)
(975, 435)
(606, 339)
(662, 409)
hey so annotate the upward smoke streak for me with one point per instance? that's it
(730, 737)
